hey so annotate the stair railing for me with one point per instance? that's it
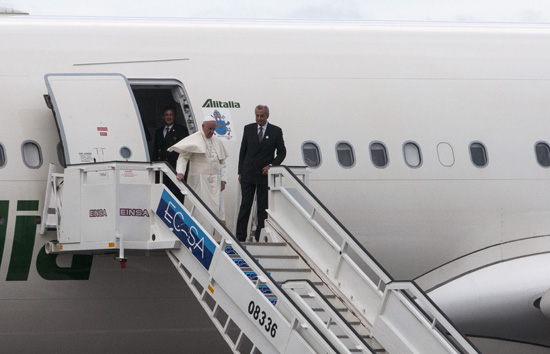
(353, 274)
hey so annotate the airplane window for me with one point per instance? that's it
(61, 155)
(445, 154)
(344, 153)
(125, 152)
(543, 154)
(411, 151)
(2, 156)
(378, 154)
(311, 154)
(32, 155)
(478, 154)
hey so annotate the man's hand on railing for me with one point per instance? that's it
(179, 176)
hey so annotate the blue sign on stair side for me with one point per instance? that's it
(186, 230)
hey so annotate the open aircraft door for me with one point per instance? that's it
(97, 117)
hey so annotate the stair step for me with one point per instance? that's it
(373, 343)
(283, 274)
(376, 347)
(339, 309)
(51, 221)
(331, 298)
(348, 316)
(268, 248)
(315, 300)
(283, 264)
(287, 261)
(363, 331)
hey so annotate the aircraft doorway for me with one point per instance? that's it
(153, 96)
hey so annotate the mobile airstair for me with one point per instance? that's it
(312, 289)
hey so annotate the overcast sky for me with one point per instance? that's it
(415, 10)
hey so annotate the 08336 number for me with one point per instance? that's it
(265, 321)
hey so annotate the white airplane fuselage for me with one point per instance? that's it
(472, 235)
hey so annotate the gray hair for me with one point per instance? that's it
(262, 107)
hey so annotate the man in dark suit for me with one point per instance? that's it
(167, 136)
(258, 146)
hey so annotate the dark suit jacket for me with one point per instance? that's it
(254, 156)
(161, 143)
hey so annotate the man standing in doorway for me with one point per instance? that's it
(168, 135)
(259, 144)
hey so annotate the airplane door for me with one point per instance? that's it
(97, 117)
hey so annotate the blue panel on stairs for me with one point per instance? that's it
(251, 275)
(230, 250)
(241, 263)
(265, 289)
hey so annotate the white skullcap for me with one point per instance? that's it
(209, 119)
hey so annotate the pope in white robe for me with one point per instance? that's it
(206, 156)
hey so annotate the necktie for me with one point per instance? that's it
(260, 134)
(166, 132)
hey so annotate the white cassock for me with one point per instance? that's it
(206, 158)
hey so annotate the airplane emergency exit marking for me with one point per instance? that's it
(102, 131)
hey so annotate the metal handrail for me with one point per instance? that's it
(460, 342)
(432, 314)
(349, 239)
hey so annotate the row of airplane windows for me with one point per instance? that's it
(412, 155)
(311, 154)
(30, 151)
